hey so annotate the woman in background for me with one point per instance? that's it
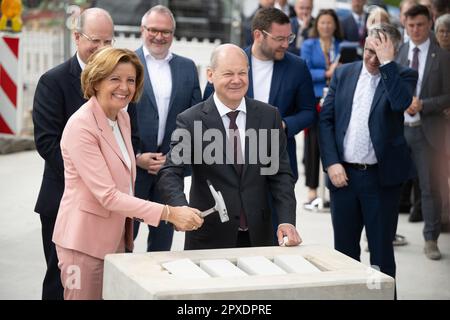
(321, 53)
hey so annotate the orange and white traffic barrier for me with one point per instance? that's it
(10, 87)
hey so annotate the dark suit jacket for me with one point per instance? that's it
(185, 93)
(305, 34)
(435, 92)
(291, 91)
(248, 191)
(350, 28)
(392, 97)
(58, 95)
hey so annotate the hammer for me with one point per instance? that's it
(219, 205)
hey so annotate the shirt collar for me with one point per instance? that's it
(357, 17)
(223, 109)
(148, 55)
(423, 47)
(82, 64)
(366, 73)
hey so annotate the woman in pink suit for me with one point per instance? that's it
(97, 208)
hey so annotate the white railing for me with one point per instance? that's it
(44, 49)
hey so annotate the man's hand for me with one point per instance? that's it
(151, 161)
(288, 230)
(337, 175)
(383, 47)
(416, 106)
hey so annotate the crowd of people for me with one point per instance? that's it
(119, 131)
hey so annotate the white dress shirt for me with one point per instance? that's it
(358, 147)
(262, 78)
(119, 138)
(241, 119)
(82, 64)
(423, 52)
(161, 79)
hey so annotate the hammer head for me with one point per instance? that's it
(219, 206)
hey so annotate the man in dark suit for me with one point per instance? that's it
(363, 149)
(425, 120)
(278, 77)
(58, 95)
(284, 6)
(354, 25)
(301, 24)
(245, 179)
(170, 87)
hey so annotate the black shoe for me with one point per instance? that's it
(415, 216)
(404, 208)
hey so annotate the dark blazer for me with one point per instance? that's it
(350, 28)
(305, 34)
(291, 91)
(435, 91)
(392, 97)
(58, 95)
(247, 191)
(185, 93)
(315, 60)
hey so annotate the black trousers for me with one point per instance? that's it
(312, 157)
(52, 288)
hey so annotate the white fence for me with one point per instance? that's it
(42, 50)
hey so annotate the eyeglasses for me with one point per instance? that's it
(154, 32)
(98, 42)
(289, 38)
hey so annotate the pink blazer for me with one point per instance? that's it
(96, 202)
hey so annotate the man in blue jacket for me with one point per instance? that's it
(363, 148)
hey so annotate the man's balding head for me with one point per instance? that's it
(95, 30)
(228, 72)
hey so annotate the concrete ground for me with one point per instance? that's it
(22, 264)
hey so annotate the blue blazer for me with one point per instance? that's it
(315, 60)
(185, 93)
(291, 91)
(392, 97)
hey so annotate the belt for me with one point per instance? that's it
(360, 166)
(413, 124)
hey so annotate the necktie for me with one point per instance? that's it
(235, 140)
(415, 60)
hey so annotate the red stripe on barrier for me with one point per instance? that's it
(8, 86)
(4, 128)
(13, 44)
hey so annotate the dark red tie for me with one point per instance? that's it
(235, 139)
(415, 60)
(237, 157)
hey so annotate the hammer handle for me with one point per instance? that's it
(205, 213)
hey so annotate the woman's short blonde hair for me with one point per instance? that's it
(103, 62)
